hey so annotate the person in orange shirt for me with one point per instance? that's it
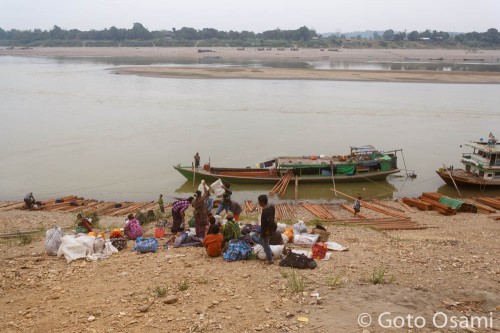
(213, 241)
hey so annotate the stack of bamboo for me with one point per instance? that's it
(320, 211)
(437, 206)
(380, 203)
(380, 223)
(280, 187)
(284, 212)
(485, 209)
(466, 207)
(73, 203)
(417, 203)
(384, 211)
(491, 202)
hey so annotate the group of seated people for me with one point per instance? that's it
(218, 235)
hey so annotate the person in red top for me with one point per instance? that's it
(213, 241)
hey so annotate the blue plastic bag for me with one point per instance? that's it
(237, 250)
(145, 245)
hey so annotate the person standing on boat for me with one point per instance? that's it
(178, 213)
(197, 160)
(357, 206)
(226, 200)
(267, 225)
(160, 203)
(200, 213)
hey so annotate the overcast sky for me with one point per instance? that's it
(254, 15)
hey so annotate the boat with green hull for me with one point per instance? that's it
(364, 163)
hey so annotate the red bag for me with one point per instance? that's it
(319, 250)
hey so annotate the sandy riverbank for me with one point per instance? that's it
(361, 55)
(452, 267)
(311, 74)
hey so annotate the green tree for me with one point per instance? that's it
(56, 33)
(388, 34)
(139, 32)
(187, 33)
(413, 36)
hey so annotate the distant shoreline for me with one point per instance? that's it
(229, 53)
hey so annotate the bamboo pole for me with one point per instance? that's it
(194, 173)
(296, 187)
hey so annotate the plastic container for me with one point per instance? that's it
(159, 232)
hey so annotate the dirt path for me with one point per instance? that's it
(428, 271)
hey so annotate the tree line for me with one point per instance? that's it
(138, 35)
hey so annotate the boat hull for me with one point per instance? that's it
(463, 179)
(189, 174)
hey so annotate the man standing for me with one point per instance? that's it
(197, 160)
(267, 226)
(226, 199)
(178, 214)
(160, 203)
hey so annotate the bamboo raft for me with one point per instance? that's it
(379, 223)
(284, 212)
(73, 203)
(320, 211)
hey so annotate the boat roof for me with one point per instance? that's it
(305, 161)
(485, 146)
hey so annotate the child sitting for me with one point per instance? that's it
(213, 241)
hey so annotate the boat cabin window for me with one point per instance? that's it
(497, 175)
(481, 173)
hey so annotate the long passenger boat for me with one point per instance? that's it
(482, 166)
(364, 163)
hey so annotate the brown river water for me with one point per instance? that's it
(70, 127)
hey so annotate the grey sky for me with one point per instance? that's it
(254, 15)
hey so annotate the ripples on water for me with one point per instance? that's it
(67, 126)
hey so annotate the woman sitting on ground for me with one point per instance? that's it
(213, 241)
(231, 228)
(133, 228)
(83, 225)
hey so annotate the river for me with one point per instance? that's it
(70, 127)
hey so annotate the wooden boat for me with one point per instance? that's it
(362, 164)
(482, 166)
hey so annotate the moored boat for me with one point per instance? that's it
(362, 164)
(482, 166)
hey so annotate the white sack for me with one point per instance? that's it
(305, 239)
(217, 188)
(275, 249)
(53, 240)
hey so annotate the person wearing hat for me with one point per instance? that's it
(231, 228)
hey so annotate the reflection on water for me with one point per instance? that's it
(216, 61)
